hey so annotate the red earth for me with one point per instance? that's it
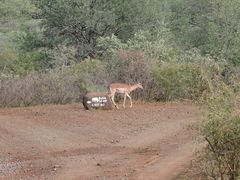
(148, 141)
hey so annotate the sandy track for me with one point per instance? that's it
(149, 141)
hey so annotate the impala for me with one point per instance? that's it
(122, 88)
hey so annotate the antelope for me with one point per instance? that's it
(122, 88)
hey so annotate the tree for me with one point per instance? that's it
(78, 22)
(211, 26)
(82, 22)
(224, 30)
(189, 23)
(13, 13)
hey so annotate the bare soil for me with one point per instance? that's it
(148, 141)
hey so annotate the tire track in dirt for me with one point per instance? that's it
(162, 158)
(149, 141)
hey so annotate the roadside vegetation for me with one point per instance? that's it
(56, 51)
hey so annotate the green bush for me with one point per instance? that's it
(221, 131)
(159, 46)
(8, 55)
(174, 81)
(29, 62)
(166, 72)
(62, 56)
(17, 53)
(92, 74)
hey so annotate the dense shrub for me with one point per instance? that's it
(36, 89)
(178, 81)
(62, 56)
(221, 131)
(8, 55)
(91, 74)
(158, 47)
(127, 64)
(183, 76)
(57, 86)
(135, 66)
(166, 72)
(14, 59)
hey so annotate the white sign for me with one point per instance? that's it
(99, 101)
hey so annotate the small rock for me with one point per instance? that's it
(98, 164)
(55, 167)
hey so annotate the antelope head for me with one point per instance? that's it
(139, 85)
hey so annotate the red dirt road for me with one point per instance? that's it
(147, 142)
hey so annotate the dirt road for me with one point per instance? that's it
(149, 141)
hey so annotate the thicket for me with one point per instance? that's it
(220, 133)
